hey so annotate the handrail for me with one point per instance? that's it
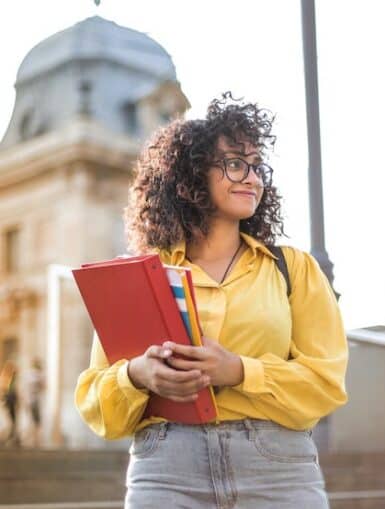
(374, 335)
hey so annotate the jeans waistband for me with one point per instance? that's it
(241, 424)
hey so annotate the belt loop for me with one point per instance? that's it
(163, 430)
(251, 430)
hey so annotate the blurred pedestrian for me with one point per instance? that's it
(34, 386)
(8, 393)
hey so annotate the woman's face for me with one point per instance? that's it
(235, 200)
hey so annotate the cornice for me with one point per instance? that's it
(81, 141)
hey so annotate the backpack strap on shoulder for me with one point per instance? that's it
(282, 266)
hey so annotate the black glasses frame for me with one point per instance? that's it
(262, 170)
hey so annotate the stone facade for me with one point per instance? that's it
(62, 194)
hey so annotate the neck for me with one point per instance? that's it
(220, 243)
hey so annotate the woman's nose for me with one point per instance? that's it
(254, 177)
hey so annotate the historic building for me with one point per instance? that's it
(86, 98)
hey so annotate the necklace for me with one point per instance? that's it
(230, 263)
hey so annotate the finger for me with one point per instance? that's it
(158, 352)
(207, 341)
(184, 364)
(194, 352)
(184, 399)
(182, 389)
(172, 375)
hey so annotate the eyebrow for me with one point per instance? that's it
(235, 152)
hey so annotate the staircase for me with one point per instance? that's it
(95, 479)
(355, 481)
(47, 476)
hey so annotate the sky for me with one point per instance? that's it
(254, 49)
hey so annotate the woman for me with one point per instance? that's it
(204, 199)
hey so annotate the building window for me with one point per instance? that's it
(130, 113)
(26, 125)
(12, 250)
(164, 117)
(8, 349)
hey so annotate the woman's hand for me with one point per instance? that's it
(150, 371)
(222, 366)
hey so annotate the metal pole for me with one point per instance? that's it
(314, 139)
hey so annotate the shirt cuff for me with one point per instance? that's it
(125, 383)
(254, 376)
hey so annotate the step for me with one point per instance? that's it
(61, 490)
(69, 505)
(338, 500)
(49, 476)
(358, 495)
(372, 499)
(353, 471)
(20, 462)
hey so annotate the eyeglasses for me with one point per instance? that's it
(237, 170)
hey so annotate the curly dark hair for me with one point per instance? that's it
(169, 199)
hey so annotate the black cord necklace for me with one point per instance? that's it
(229, 265)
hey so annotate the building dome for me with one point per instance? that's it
(97, 39)
(95, 68)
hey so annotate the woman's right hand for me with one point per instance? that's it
(151, 372)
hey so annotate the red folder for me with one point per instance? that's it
(131, 306)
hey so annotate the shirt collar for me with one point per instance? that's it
(256, 245)
(177, 254)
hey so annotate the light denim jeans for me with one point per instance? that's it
(249, 464)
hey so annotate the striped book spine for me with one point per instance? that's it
(176, 284)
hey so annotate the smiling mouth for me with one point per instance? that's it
(245, 193)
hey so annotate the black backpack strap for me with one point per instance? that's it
(282, 265)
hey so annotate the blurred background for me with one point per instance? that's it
(83, 85)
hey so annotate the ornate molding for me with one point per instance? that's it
(13, 299)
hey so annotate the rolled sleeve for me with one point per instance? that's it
(106, 398)
(126, 385)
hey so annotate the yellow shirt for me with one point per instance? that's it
(249, 314)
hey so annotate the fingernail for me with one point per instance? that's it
(167, 352)
(206, 380)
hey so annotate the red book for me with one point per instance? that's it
(132, 307)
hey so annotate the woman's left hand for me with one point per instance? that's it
(222, 366)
